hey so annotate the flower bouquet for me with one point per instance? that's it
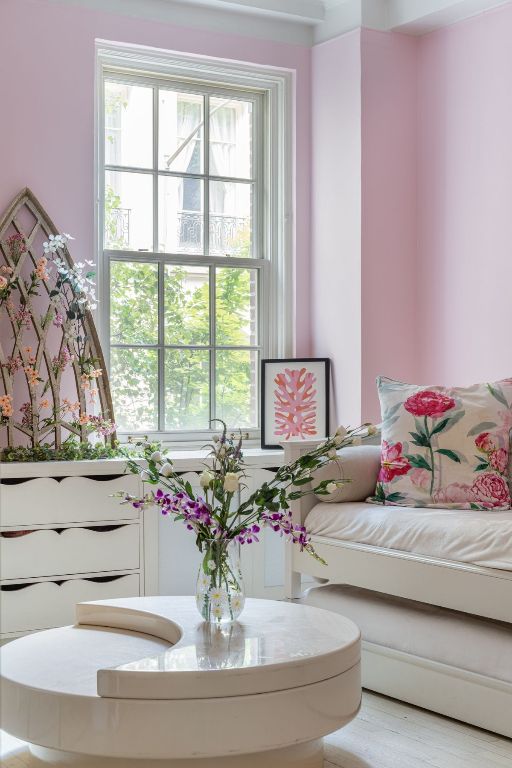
(221, 522)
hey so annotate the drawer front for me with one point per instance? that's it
(71, 500)
(25, 607)
(67, 551)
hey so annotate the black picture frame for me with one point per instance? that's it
(268, 436)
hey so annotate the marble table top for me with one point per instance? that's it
(159, 648)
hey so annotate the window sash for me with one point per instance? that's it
(258, 262)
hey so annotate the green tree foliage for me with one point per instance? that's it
(134, 321)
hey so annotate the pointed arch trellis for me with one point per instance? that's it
(50, 355)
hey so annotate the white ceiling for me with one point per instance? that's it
(304, 22)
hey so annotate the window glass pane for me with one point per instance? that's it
(133, 303)
(236, 307)
(230, 137)
(187, 389)
(128, 211)
(180, 215)
(128, 125)
(230, 219)
(237, 387)
(180, 143)
(187, 303)
(134, 385)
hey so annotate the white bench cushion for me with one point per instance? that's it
(468, 536)
(449, 637)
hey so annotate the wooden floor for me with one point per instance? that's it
(386, 734)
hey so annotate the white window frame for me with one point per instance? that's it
(273, 208)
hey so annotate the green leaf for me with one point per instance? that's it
(450, 454)
(394, 498)
(439, 427)
(498, 395)
(452, 421)
(483, 426)
(420, 439)
(482, 466)
(419, 462)
(303, 480)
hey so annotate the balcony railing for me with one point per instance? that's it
(226, 233)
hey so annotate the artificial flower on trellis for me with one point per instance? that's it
(55, 387)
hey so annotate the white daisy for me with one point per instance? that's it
(218, 596)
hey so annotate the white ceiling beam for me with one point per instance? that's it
(308, 11)
(418, 17)
(302, 22)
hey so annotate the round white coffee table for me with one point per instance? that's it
(144, 683)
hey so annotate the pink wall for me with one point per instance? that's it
(465, 200)
(336, 217)
(47, 105)
(364, 214)
(388, 209)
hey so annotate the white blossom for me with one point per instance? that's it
(205, 478)
(331, 487)
(231, 482)
(166, 470)
(156, 456)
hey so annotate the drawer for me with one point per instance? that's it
(66, 551)
(71, 500)
(44, 604)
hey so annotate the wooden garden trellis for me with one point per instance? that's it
(39, 328)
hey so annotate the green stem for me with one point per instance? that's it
(431, 455)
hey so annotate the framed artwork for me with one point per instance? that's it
(294, 399)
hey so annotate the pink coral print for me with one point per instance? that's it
(392, 462)
(491, 490)
(295, 404)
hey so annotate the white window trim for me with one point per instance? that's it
(278, 87)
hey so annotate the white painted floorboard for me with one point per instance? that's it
(386, 734)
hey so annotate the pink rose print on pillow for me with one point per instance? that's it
(455, 493)
(429, 403)
(499, 460)
(420, 478)
(491, 490)
(487, 442)
(393, 463)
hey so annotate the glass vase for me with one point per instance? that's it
(220, 592)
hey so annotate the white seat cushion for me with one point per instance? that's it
(467, 536)
(449, 637)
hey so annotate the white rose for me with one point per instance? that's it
(372, 430)
(356, 441)
(216, 438)
(205, 478)
(338, 440)
(341, 431)
(156, 456)
(144, 475)
(221, 451)
(331, 487)
(231, 482)
(166, 469)
(332, 453)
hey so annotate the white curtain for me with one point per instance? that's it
(222, 143)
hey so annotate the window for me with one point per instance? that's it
(185, 249)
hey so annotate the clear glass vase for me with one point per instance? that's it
(220, 592)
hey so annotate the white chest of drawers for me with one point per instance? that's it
(65, 539)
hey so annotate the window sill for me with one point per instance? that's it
(188, 460)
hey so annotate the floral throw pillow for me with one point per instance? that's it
(445, 447)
